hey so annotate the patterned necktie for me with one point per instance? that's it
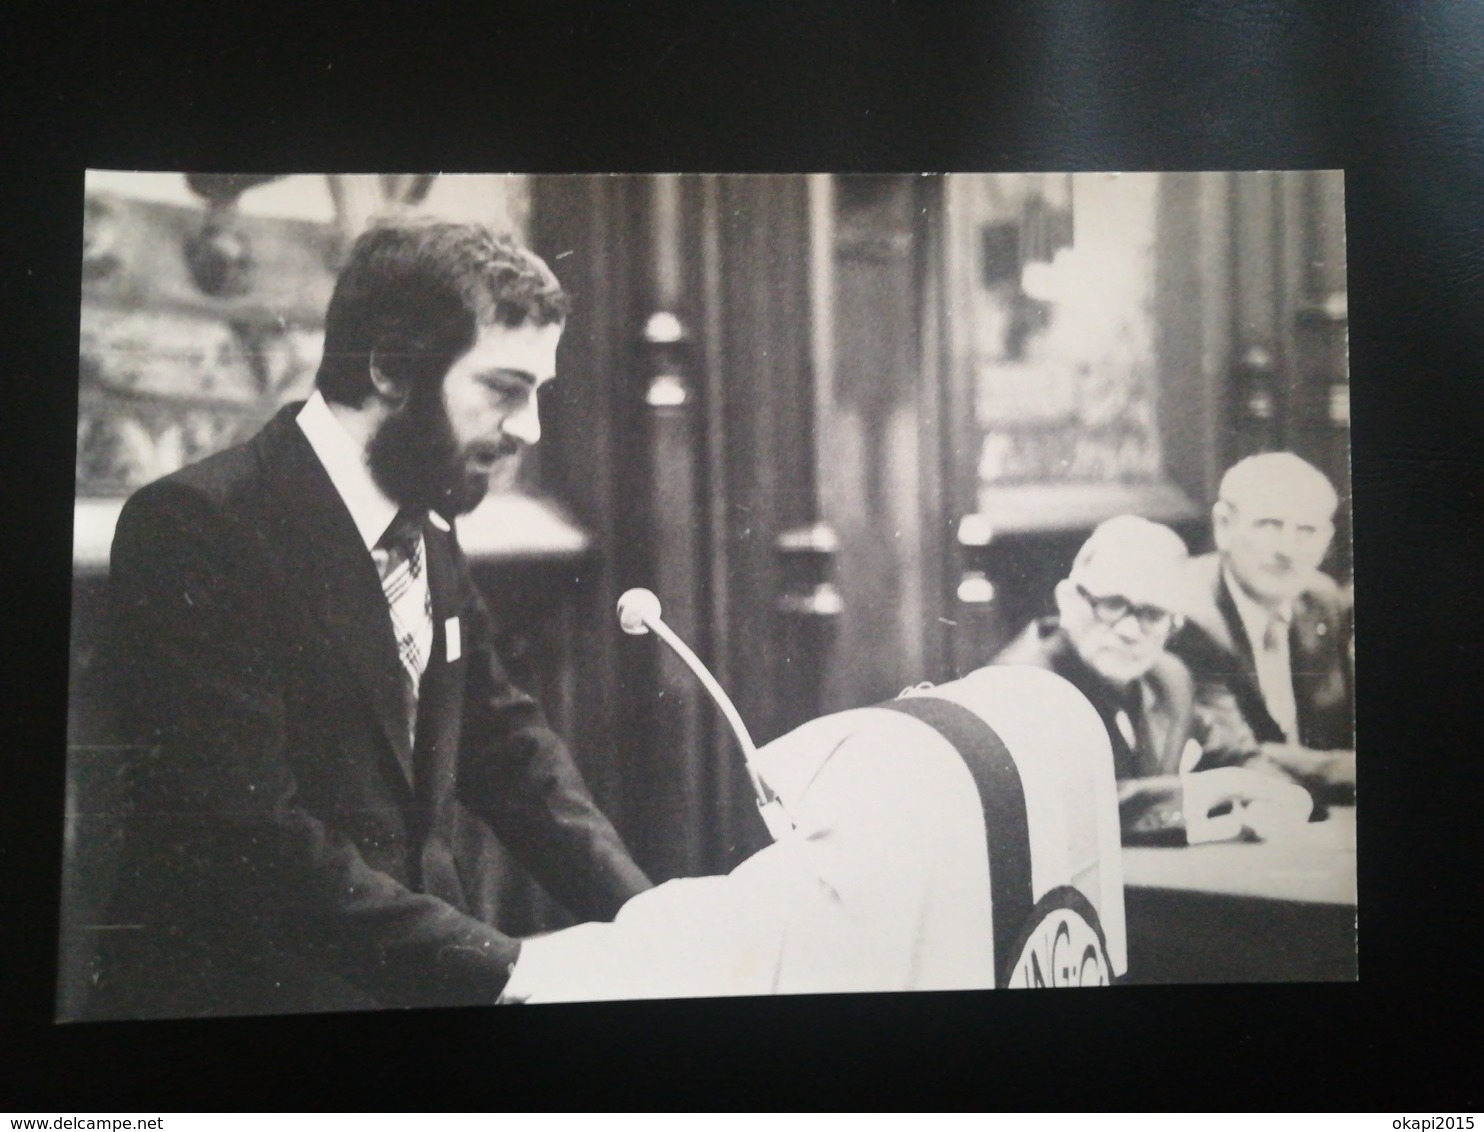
(399, 560)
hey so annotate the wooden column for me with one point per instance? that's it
(881, 465)
(589, 229)
(674, 773)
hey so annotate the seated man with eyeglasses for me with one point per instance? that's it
(1115, 614)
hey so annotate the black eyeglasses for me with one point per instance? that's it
(1114, 608)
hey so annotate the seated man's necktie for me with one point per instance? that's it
(399, 560)
(1275, 676)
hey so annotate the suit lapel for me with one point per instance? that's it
(1236, 632)
(327, 563)
(1250, 693)
(1220, 648)
(1211, 610)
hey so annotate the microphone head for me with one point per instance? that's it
(636, 607)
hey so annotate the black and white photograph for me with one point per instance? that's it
(650, 556)
(548, 588)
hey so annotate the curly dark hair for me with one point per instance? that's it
(416, 293)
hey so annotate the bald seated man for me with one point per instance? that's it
(1116, 611)
(1267, 632)
(915, 855)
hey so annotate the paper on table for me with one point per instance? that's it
(1261, 806)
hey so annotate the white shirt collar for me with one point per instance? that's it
(345, 461)
(1255, 616)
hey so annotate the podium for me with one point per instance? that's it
(908, 866)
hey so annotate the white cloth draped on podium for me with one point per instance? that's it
(884, 883)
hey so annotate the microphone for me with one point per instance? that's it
(639, 613)
(636, 608)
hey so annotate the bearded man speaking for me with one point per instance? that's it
(307, 671)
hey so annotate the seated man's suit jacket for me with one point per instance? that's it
(1215, 647)
(1158, 706)
(1164, 715)
(289, 849)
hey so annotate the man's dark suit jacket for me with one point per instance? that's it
(1161, 729)
(1215, 647)
(289, 850)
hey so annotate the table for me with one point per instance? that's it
(1274, 911)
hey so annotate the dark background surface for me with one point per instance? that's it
(1392, 93)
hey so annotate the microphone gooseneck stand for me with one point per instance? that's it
(639, 613)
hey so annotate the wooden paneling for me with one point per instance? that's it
(766, 391)
(881, 442)
(585, 228)
(1192, 280)
(717, 501)
(686, 499)
(737, 605)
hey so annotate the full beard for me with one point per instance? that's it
(415, 459)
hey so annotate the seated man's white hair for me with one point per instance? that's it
(1130, 535)
(1264, 470)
